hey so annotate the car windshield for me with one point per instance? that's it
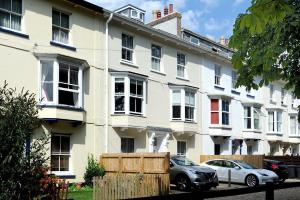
(245, 165)
(183, 161)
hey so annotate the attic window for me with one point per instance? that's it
(194, 40)
(134, 14)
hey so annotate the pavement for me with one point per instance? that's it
(282, 194)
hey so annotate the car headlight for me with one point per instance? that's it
(263, 174)
(197, 172)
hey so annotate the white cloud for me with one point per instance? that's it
(212, 37)
(191, 19)
(214, 25)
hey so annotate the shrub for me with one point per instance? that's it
(92, 169)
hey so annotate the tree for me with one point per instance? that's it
(93, 169)
(267, 43)
(22, 165)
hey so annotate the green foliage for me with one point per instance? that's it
(21, 169)
(267, 43)
(92, 169)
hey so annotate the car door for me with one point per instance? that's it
(217, 165)
(236, 171)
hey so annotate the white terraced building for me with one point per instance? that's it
(107, 82)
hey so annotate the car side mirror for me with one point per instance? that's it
(237, 168)
(171, 165)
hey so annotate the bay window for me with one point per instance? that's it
(183, 104)
(251, 117)
(181, 148)
(11, 14)
(129, 94)
(219, 110)
(275, 121)
(61, 83)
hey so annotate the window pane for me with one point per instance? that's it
(17, 6)
(65, 145)
(140, 88)
(74, 76)
(133, 87)
(16, 22)
(63, 73)
(128, 55)
(176, 96)
(156, 51)
(55, 34)
(119, 88)
(55, 18)
(54, 163)
(155, 64)
(132, 106)
(127, 145)
(214, 118)
(119, 103)
(5, 4)
(176, 112)
(225, 106)
(214, 104)
(64, 21)
(64, 36)
(138, 105)
(124, 54)
(55, 144)
(64, 163)
(180, 71)
(67, 98)
(225, 118)
(47, 91)
(4, 19)
(189, 113)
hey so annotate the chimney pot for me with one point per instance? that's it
(166, 10)
(154, 14)
(158, 14)
(171, 9)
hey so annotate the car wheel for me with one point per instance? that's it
(281, 180)
(183, 183)
(251, 180)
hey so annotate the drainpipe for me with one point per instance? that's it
(106, 81)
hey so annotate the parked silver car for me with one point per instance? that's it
(186, 174)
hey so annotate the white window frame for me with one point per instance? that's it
(180, 65)
(127, 78)
(252, 118)
(191, 106)
(275, 123)
(10, 12)
(69, 172)
(220, 111)
(218, 75)
(271, 87)
(154, 58)
(183, 91)
(181, 154)
(283, 97)
(127, 48)
(297, 132)
(62, 28)
(56, 87)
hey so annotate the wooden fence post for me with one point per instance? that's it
(269, 191)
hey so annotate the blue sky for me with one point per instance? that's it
(210, 18)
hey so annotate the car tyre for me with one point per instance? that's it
(251, 180)
(183, 183)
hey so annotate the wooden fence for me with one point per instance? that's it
(289, 160)
(255, 160)
(123, 186)
(129, 175)
(145, 163)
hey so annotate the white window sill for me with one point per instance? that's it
(60, 106)
(219, 87)
(272, 101)
(14, 32)
(182, 78)
(62, 173)
(235, 91)
(62, 45)
(184, 121)
(217, 126)
(294, 136)
(128, 63)
(275, 133)
(130, 115)
(284, 104)
(158, 72)
(252, 130)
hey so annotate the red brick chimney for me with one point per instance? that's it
(166, 10)
(158, 14)
(171, 9)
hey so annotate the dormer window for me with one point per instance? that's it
(194, 40)
(132, 12)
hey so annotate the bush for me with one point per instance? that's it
(22, 160)
(92, 169)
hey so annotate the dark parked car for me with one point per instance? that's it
(278, 167)
(186, 174)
